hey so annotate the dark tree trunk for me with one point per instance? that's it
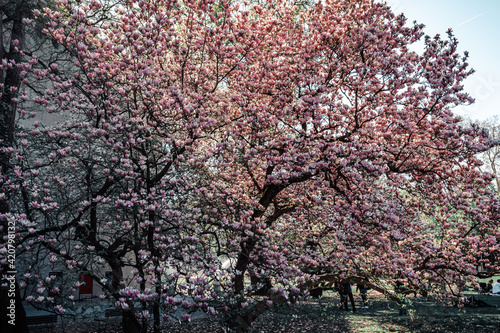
(13, 13)
(264, 289)
(247, 248)
(243, 322)
(156, 314)
(129, 322)
(12, 79)
(156, 318)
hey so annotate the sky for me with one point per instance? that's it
(476, 24)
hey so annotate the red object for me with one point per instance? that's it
(87, 283)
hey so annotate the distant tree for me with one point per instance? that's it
(491, 157)
(203, 144)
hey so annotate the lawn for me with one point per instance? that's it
(382, 316)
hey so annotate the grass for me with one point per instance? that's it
(427, 316)
(381, 317)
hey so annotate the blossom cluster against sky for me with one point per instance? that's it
(476, 24)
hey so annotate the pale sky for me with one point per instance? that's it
(476, 24)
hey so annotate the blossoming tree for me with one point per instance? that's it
(203, 144)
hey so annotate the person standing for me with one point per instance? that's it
(496, 288)
(346, 292)
(489, 286)
(363, 290)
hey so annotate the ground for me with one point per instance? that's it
(382, 316)
(324, 315)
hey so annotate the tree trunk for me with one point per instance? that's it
(130, 324)
(242, 322)
(242, 264)
(129, 321)
(156, 313)
(11, 81)
(264, 289)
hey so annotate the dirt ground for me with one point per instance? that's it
(324, 315)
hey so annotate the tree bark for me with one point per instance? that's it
(11, 83)
(130, 324)
(129, 321)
